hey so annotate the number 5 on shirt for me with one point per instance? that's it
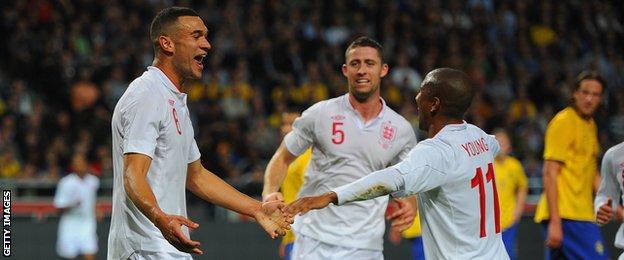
(477, 181)
(337, 133)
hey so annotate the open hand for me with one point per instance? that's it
(303, 205)
(273, 219)
(170, 227)
(273, 196)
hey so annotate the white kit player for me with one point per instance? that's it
(611, 190)
(75, 197)
(155, 155)
(350, 136)
(451, 172)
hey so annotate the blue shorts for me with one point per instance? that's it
(418, 251)
(581, 240)
(509, 239)
(288, 250)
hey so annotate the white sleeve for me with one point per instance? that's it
(194, 153)
(419, 172)
(141, 123)
(302, 135)
(608, 184)
(64, 195)
(422, 169)
(374, 185)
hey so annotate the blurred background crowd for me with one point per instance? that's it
(65, 63)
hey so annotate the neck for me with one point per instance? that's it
(166, 66)
(500, 156)
(368, 108)
(583, 116)
(441, 122)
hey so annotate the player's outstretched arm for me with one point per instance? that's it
(140, 193)
(209, 187)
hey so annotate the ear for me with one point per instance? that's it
(384, 70)
(435, 105)
(344, 69)
(166, 44)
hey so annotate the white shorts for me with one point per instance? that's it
(307, 248)
(146, 255)
(73, 246)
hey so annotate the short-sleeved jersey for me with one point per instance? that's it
(151, 118)
(292, 184)
(77, 221)
(345, 148)
(453, 175)
(510, 178)
(573, 141)
(612, 184)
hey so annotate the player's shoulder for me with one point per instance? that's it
(92, 179)
(68, 179)
(514, 161)
(565, 116)
(615, 151)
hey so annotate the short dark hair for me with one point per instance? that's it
(364, 41)
(589, 75)
(166, 18)
(452, 87)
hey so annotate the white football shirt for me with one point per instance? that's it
(453, 175)
(344, 149)
(77, 221)
(150, 118)
(611, 185)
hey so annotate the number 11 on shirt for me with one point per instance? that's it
(477, 181)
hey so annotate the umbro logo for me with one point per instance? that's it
(171, 102)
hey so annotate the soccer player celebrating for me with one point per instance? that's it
(452, 172)
(350, 136)
(156, 158)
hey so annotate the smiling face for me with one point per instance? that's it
(190, 47)
(364, 70)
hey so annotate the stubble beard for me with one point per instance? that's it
(362, 96)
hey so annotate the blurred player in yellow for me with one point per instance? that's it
(511, 182)
(293, 181)
(571, 148)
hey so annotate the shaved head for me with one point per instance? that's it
(452, 87)
(164, 22)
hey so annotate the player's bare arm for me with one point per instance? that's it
(276, 171)
(521, 195)
(555, 233)
(140, 193)
(305, 204)
(209, 187)
(404, 215)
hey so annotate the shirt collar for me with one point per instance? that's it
(161, 75)
(350, 107)
(455, 127)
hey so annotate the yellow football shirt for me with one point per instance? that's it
(509, 178)
(292, 183)
(572, 141)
